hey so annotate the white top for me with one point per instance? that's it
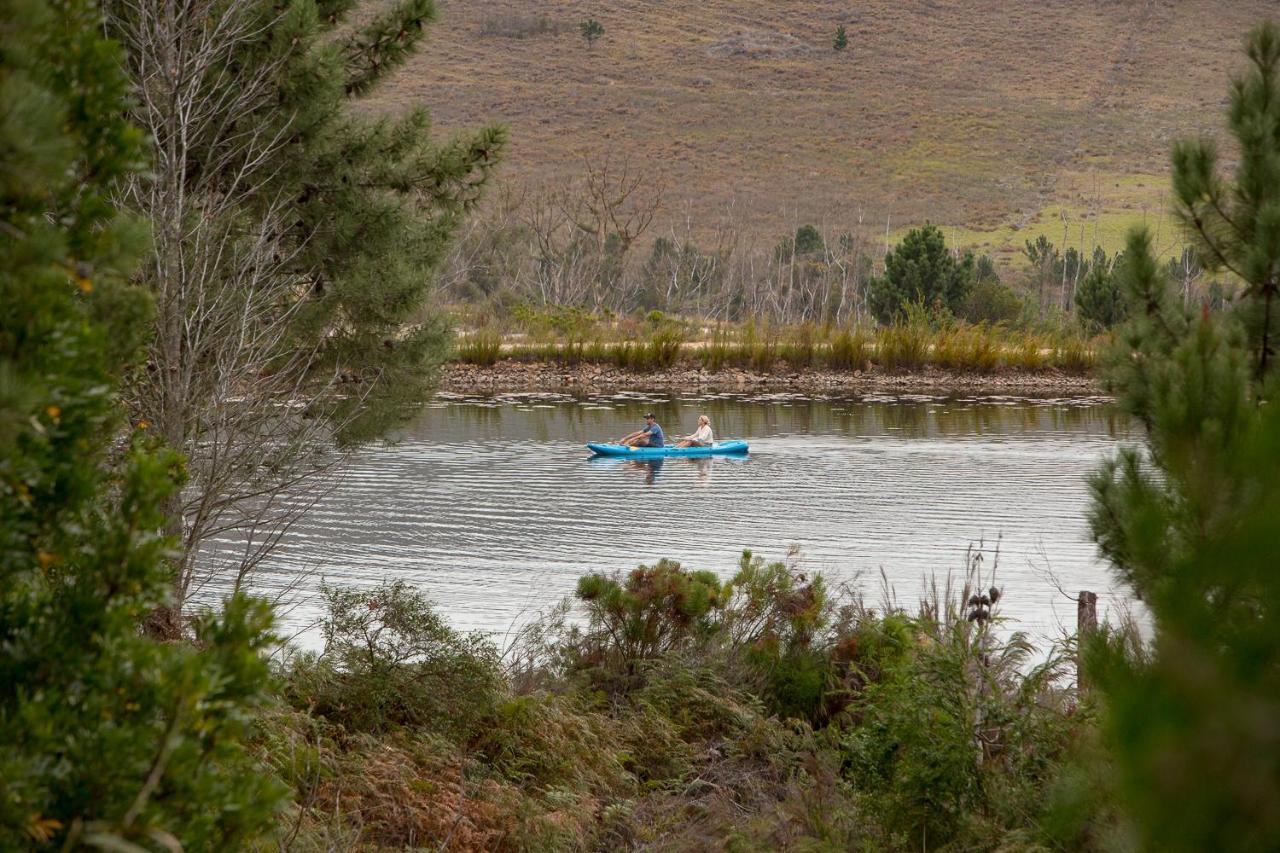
(703, 434)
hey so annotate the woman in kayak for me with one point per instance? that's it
(650, 436)
(701, 437)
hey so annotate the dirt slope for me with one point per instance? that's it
(998, 118)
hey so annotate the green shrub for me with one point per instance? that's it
(390, 660)
(957, 738)
(1099, 298)
(921, 271)
(652, 611)
(991, 301)
(774, 618)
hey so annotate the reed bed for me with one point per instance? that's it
(909, 345)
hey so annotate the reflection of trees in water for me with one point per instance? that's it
(908, 419)
(739, 418)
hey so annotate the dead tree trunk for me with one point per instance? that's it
(1086, 626)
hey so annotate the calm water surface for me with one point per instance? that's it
(493, 507)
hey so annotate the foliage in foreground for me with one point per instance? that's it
(766, 712)
(1191, 525)
(107, 739)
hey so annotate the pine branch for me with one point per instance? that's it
(385, 44)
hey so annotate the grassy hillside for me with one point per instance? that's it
(999, 119)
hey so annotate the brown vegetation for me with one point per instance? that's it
(985, 114)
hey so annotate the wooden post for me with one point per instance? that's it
(1086, 624)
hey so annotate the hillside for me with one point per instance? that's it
(998, 119)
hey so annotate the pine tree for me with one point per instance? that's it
(591, 30)
(107, 739)
(842, 38)
(920, 270)
(1099, 298)
(377, 202)
(295, 243)
(1190, 525)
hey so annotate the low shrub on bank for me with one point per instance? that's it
(681, 712)
(390, 660)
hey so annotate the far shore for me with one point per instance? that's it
(509, 375)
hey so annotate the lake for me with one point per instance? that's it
(494, 507)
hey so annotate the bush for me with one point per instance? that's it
(958, 738)
(109, 738)
(653, 610)
(922, 271)
(774, 618)
(1099, 298)
(390, 660)
(991, 301)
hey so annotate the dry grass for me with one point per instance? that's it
(991, 115)
(903, 346)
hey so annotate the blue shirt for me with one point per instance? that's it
(655, 434)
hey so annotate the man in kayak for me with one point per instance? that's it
(650, 436)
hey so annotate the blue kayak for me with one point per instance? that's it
(653, 452)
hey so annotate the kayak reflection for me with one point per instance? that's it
(651, 468)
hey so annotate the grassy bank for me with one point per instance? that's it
(769, 712)
(660, 344)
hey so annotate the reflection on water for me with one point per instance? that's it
(494, 507)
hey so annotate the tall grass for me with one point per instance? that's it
(715, 354)
(659, 352)
(909, 344)
(482, 347)
(1028, 352)
(847, 350)
(903, 345)
(800, 347)
(965, 347)
(1074, 354)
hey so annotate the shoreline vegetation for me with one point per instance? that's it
(680, 711)
(658, 351)
(513, 375)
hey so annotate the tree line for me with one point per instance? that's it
(590, 243)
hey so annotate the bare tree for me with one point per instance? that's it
(612, 203)
(225, 383)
